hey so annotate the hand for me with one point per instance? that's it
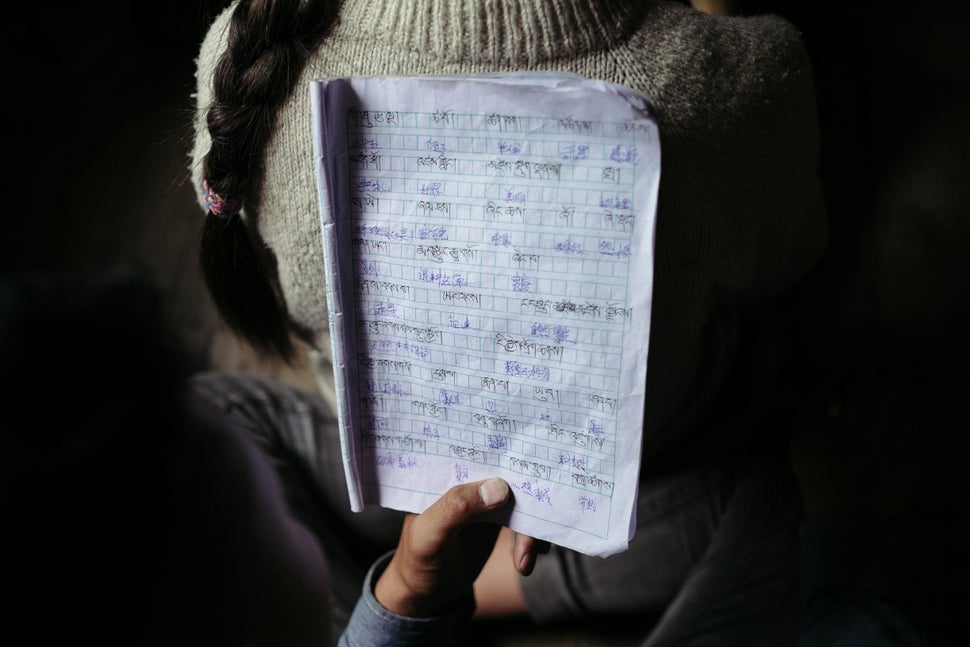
(442, 550)
(498, 593)
(525, 549)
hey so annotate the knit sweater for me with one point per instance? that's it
(740, 215)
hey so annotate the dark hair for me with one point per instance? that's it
(269, 44)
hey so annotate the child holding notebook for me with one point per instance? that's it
(739, 222)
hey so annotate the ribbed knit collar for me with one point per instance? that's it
(523, 32)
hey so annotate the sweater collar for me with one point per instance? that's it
(517, 32)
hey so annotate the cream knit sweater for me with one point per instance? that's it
(740, 216)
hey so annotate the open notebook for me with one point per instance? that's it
(489, 257)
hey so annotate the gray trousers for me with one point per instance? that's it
(714, 560)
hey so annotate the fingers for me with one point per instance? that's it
(525, 551)
(493, 492)
(467, 503)
(442, 550)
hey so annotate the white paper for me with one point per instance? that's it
(489, 252)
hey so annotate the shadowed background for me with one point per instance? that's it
(98, 123)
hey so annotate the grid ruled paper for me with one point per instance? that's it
(489, 245)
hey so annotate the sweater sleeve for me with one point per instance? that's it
(371, 625)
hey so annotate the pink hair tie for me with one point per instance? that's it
(220, 206)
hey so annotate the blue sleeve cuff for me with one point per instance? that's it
(371, 625)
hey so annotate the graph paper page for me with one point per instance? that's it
(489, 245)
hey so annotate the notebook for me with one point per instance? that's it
(488, 244)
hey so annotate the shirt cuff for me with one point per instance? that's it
(371, 625)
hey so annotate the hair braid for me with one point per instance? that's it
(268, 46)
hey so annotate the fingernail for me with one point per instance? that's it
(493, 491)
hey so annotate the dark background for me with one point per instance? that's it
(97, 112)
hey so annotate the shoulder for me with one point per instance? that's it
(696, 63)
(213, 45)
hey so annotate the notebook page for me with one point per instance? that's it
(489, 246)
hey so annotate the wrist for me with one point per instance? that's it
(396, 594)
(399, 596)
(391, 592)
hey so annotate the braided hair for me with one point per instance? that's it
(268, 46)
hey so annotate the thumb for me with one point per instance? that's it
(493, 492)
(464, 504)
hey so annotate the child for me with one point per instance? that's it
(740, 221)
